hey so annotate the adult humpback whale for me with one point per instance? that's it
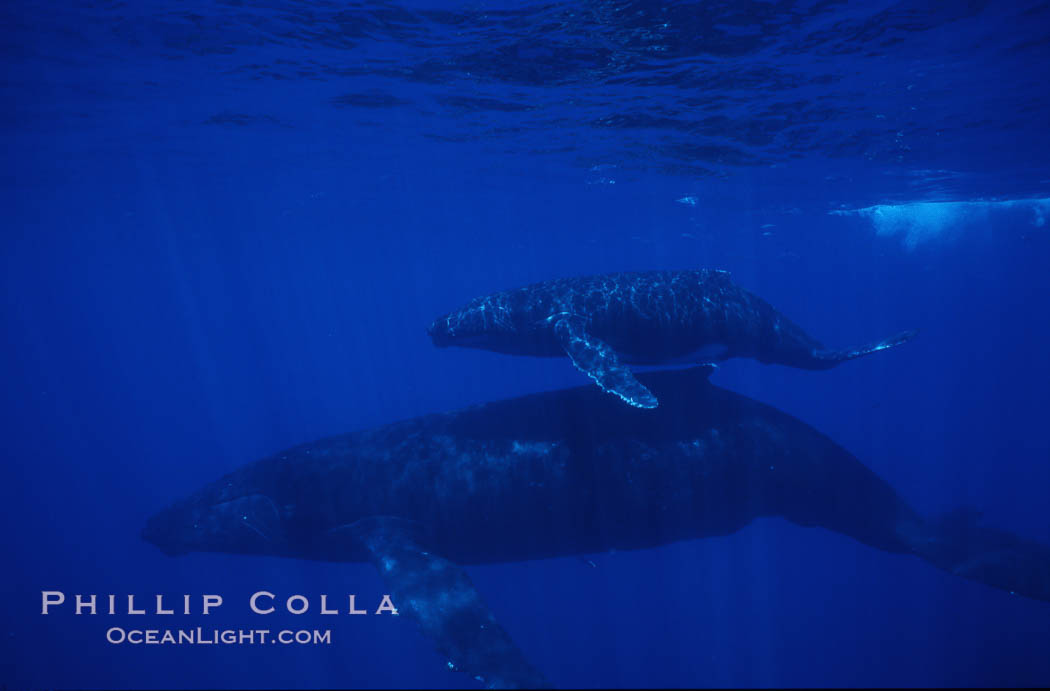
(646, 318)
(561, 473)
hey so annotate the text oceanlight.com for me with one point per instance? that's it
(201, 636)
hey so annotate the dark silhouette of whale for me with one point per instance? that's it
(562, 473)
(647, 318)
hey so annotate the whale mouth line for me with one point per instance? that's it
(167, 548)
(467, 340)
(206, 525)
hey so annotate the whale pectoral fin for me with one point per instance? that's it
(439, 595)
(598, 360)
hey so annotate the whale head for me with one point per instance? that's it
(481, 323)
(213, 520)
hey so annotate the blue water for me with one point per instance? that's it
(226, 226)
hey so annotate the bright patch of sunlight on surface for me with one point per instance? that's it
(921, 222)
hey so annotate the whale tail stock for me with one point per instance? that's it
(960, 543)
(829, 358)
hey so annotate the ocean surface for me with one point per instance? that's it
(226, 226)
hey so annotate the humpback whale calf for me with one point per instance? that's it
(649, 318)
(563, 473)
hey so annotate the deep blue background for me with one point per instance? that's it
(226, 226)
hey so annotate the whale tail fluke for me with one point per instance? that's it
(830, 358)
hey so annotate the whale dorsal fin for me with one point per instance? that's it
(598, 360)
(439, 595)
(701, 373)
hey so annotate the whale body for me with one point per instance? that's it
(563, 473)
(603, 323)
